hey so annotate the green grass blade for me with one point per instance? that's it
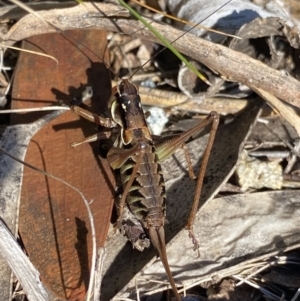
(164, 41)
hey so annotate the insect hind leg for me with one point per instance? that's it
(213, 118)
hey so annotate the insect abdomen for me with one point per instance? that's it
(146, 199)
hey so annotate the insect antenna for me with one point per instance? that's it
(190, 29)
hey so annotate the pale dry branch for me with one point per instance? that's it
(231, 65)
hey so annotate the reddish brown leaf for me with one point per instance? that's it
(53, 219)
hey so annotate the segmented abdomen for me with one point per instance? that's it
(146, 198)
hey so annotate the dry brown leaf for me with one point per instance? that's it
(53, 220)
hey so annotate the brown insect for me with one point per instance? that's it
(138, 157)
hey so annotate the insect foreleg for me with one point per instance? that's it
(105, 122)
(102, 121)
(93, 138)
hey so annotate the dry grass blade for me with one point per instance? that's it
(33, 52)
(187, 22)
(52, 108)
(98, 273)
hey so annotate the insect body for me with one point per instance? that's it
(138, 158)
(135, 155)
(141, 173)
